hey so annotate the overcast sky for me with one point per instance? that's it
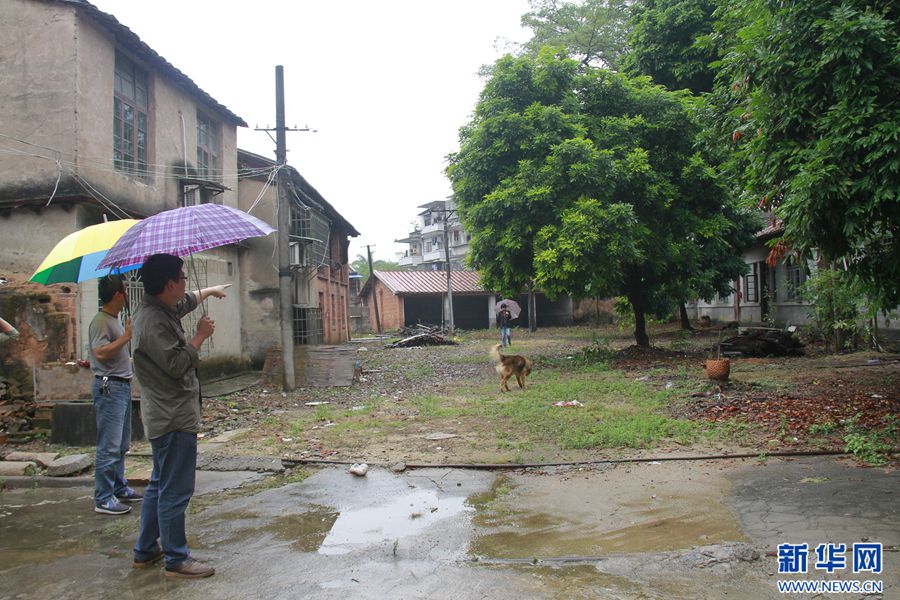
(387, 84)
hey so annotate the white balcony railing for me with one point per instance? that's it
(410, 261)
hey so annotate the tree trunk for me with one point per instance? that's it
(685, 322)
(640, 329)
(640, 323)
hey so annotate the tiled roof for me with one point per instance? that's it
(775, 226)
(430, 282)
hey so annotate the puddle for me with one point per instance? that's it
(596, 520)
(405, 516)
(306, 532)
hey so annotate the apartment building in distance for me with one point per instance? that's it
(436, 227)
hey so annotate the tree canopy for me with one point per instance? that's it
(587, 182)
(662, 43)
(361, 265)
(807, 93)
(591, 31)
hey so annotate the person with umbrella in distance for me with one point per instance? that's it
(111, 391)
(503, 321)
(165, 363)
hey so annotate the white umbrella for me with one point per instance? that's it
(511, 305)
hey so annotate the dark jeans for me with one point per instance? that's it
(112, 410)
(166, 498)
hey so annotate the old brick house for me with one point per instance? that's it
(407, 298)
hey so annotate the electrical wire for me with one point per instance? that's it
(160, 171)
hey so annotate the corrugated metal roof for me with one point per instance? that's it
(430, 282)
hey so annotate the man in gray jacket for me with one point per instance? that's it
(165, 364)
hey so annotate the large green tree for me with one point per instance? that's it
(587, 182)
(808, 97)
(591, 31)
(527, 107)
(662, 43)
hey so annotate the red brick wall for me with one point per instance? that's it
(390, 308)
(332, 286)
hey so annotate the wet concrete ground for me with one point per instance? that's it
(666, 530)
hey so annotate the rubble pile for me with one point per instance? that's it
(762, 343)
(421, 335)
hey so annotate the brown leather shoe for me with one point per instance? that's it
(143, 564)
(190, 569)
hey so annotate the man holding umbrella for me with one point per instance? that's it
(111, 391)
(503, 320)
(166, 362)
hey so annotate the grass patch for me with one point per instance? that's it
(441, 406)
(422, 370)
(615, 412)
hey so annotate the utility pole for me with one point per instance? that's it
(285, 276)
(449, 285)
(374, 294)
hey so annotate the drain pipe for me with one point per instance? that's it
(291, 462)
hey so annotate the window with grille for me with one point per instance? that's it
(795, 275)
(307, 326)
(130, 125)
(751, 284)
(195, 269)
(207, 148)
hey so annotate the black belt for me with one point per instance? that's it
(113, 378)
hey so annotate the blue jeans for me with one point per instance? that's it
(112, 409)
(166, 498)
(505, 336)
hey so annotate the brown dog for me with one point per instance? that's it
(507, 366)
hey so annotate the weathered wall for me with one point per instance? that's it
(172, 130)
(37, 99)
(43, 316)
(56, 91)
(390, 307)
(260, 310)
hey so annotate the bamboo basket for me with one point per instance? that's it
(718, 369)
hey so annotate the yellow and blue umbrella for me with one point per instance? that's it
(77, 256)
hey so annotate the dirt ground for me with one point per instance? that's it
(407, 394)
(442, 405)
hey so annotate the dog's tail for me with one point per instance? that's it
(495, 353)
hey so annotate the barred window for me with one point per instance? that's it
(207, 148)
(796, 275)
(130, 124)
(751, 284)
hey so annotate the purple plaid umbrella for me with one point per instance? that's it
(183, 231)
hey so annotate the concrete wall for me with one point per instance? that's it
(172, 130)
(56, 92)
(37, 94)
(260, 310)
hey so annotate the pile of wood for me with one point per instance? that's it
(420, 328)
(427, 336)
(761, 343)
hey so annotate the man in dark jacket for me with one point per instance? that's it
(165, 363)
